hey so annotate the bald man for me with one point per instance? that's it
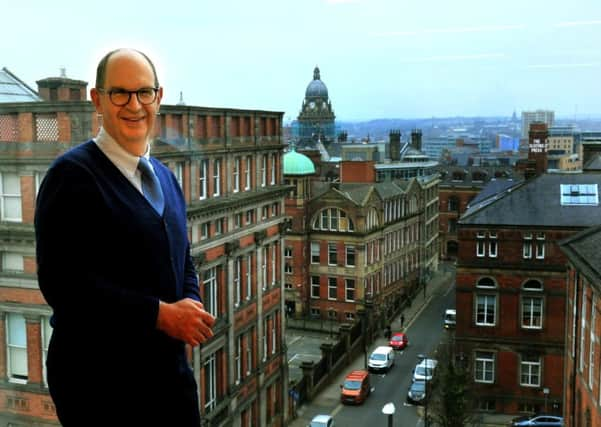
(114, 264)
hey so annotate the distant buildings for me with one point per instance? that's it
(229, 165)
(544, 116)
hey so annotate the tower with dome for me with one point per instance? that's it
(316, 120)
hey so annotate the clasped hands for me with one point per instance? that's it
(186, 320)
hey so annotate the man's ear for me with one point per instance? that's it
(159, 95)
(95, 99)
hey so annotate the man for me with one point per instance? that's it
(114, 264)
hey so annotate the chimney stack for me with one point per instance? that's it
(537, 149)
(416, 139)
(395, 145)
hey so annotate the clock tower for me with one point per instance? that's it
(316, 118)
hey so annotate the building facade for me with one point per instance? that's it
(582, 373)
(228, 162)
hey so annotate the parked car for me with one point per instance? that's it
(399, 341)
(322, 421)
(381, 359)
(540, 420)
(424, 370)
(417, 393)
(450, 318)
(356, 387)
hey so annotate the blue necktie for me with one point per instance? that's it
(151, 186)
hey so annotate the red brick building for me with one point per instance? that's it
(228, 162)
(511, 287)
(582, 374)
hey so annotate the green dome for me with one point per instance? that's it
(297, 164)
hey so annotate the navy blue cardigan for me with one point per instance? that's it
(105, 258)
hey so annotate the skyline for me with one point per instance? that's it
(378, 58)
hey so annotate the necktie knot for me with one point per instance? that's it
(151, 186)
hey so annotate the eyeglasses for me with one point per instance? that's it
(120, 97)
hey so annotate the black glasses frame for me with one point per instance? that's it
(119, 91)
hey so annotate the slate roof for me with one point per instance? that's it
(12, 89)
(594, 164)
(582, 249)
(537, 203)
(492, 190)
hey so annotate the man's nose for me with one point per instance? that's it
(133, 103)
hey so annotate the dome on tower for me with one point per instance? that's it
(316, 87)
(297, 164)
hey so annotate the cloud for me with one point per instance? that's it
(480, 29)
(341, 1)
(566, 65)
(453, 58)
(578, 23)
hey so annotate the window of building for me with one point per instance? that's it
(264, 211)
(210, 383)
(288, 268)
(593, 341)
(217, 178)
(204, 230)
(249, 266)
(349, 286)
(333, 219)
(273, 262)
(332, 254)
(452, 225)
(179, 174)
(349, 316)
(249, 352)
(247, 169)
(486, 282)
(274, 209)
(332, 288)
(202, 184)
(236, 173)
(350, 256)
(272, 172)
(249, 216)
(288, 252)
(314, 286)
(238, 359)
(486, 405)
(579, 195)
(12, 262)
(238, 220)
(16, 342)
(540, 245)
(492, 245)
(480, 244)
(210, 290)
(237, 281)
(10, 199)
(532, 312)
(263, 170)
(315, 253)
(484, 367)
(530, 370)
(219, 226)
(332, 314)
(453, 204)
(264, 267)
(315, 313)
(46, 335)
(486, 306)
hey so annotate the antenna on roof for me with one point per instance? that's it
(181, 99)
(63, 72)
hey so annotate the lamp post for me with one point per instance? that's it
(363, 317)
(389, 409)
(330, 311)
(546, 393)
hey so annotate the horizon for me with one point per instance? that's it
(378, 58)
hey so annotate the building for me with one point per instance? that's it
(511, 284)
(228, 162)
(582, 369)
(565, 152)
(357, 243)
(459, 186)
(316, 120)
(543, 116)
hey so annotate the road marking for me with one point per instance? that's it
(336, 410)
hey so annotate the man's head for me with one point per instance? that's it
(119, 74)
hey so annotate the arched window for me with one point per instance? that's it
(333, 219)
(453, 204)
(486, 282)
(532, 285)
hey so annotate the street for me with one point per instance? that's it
(425, 330)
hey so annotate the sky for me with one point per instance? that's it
(378, 58)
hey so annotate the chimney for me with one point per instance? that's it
(342, 136)
(416, 139)
(537, 149)
(395, 145)
(62, 88)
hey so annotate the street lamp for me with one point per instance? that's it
(363, 317)
(389, 409)
(546, 393)
(331, 311)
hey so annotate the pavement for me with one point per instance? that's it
(440, 283)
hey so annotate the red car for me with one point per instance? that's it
(398, 341)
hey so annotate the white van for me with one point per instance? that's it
(424, 370)
(450, 318)
(381, 359)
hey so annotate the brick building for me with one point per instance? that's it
(582, 373)
(511, 285)
(357, 241)
(228, 162)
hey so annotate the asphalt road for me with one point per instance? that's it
(425, 332)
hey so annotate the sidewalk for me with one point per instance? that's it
(330, 396)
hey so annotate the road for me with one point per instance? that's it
(425, 331)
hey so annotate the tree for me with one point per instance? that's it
(450, 400)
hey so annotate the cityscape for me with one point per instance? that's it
(392, 208)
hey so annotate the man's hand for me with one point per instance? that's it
(185, 320)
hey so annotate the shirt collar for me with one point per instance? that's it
(125, 161)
